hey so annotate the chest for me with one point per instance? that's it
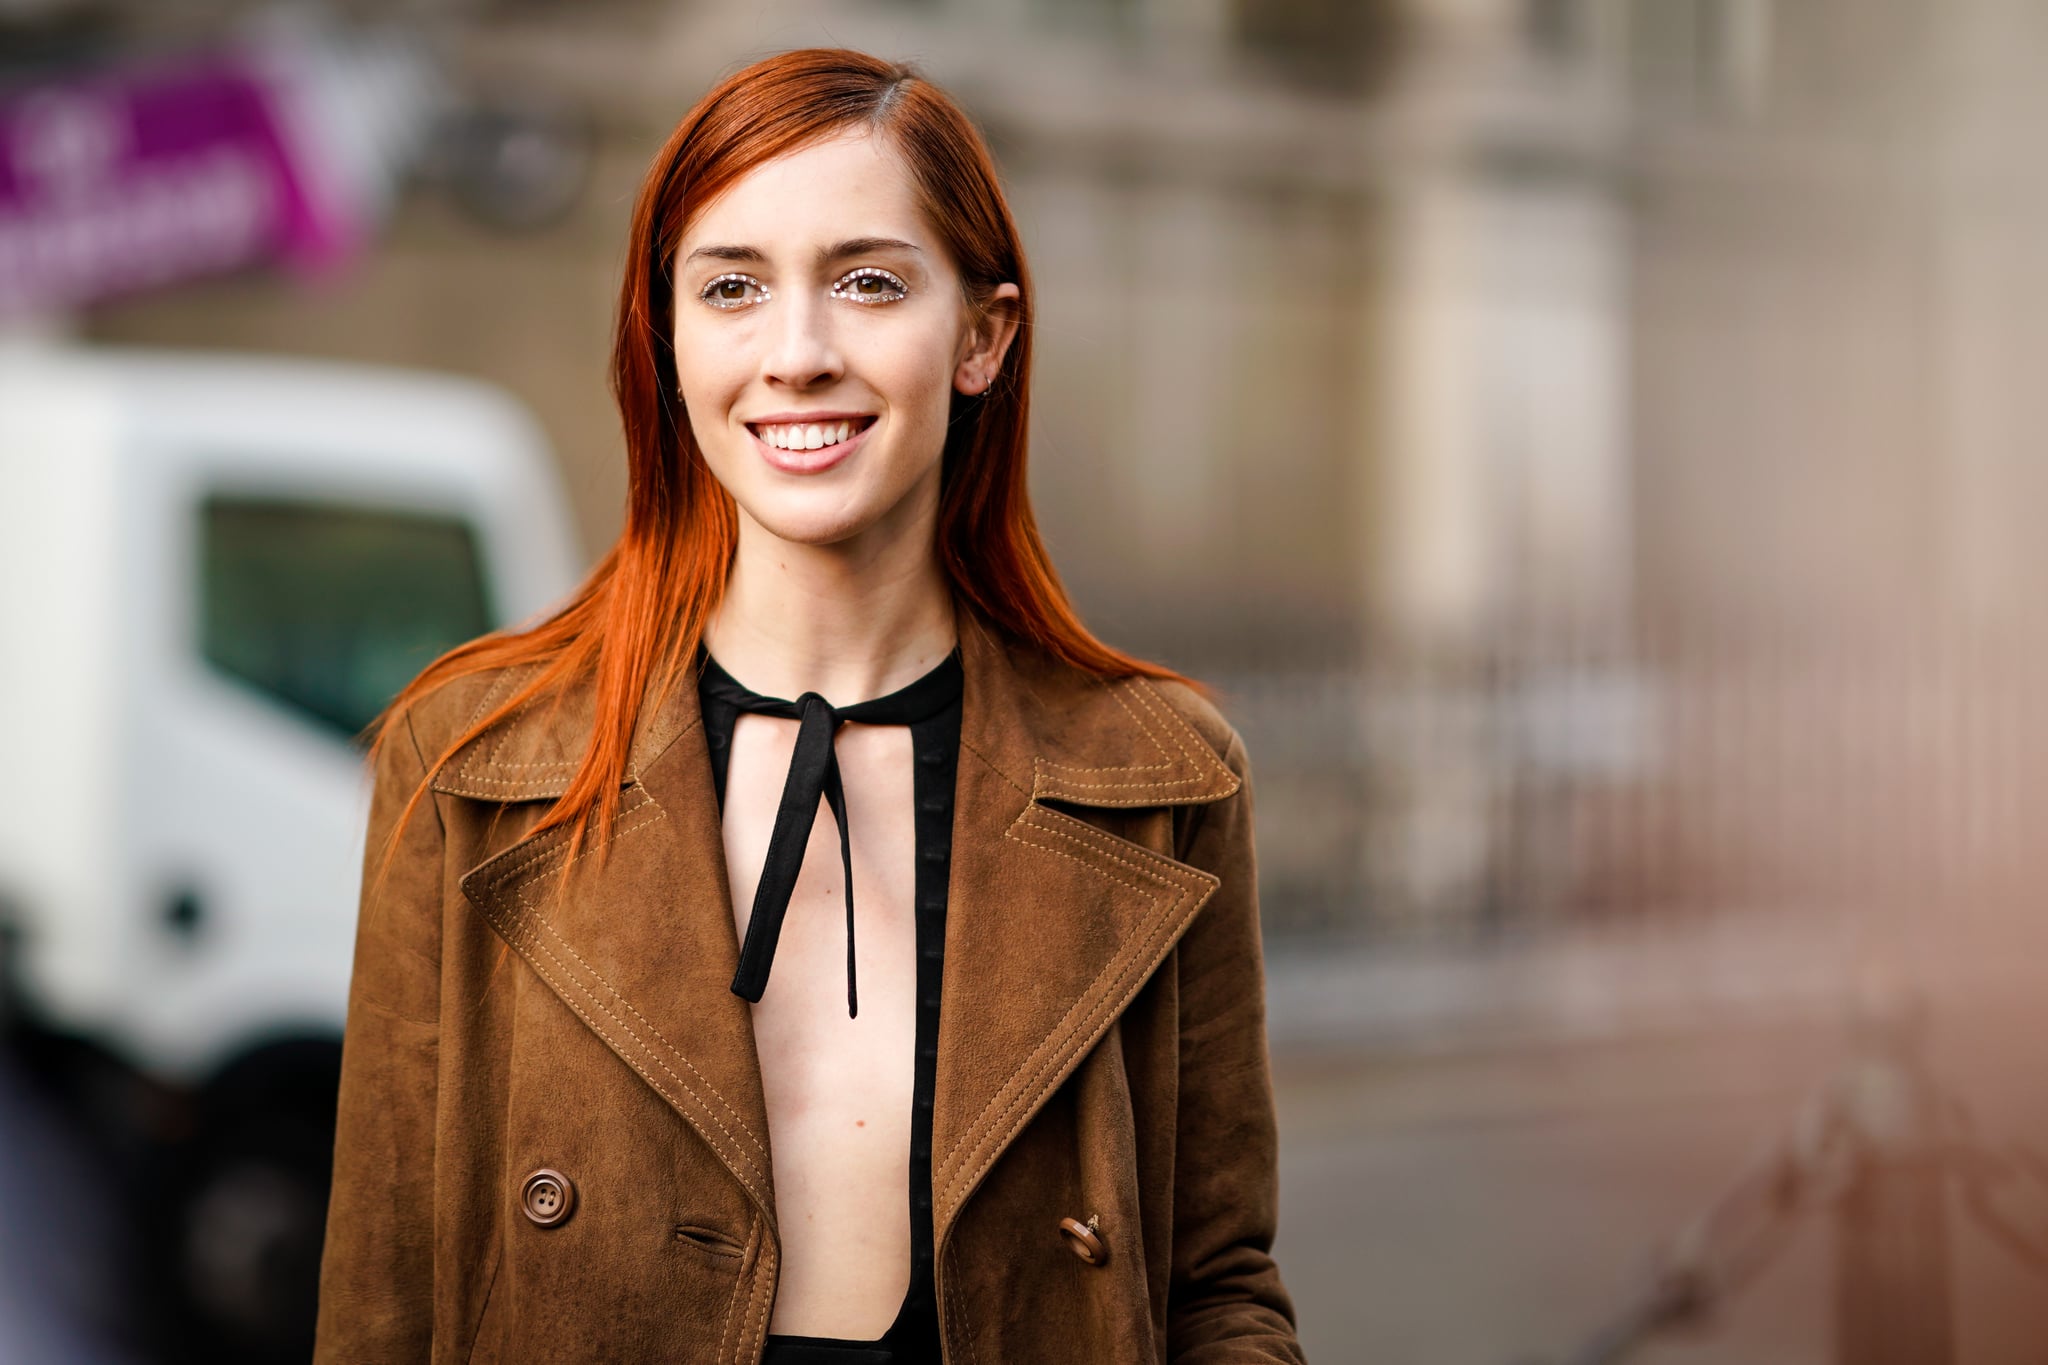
(811, 1053)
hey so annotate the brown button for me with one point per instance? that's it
(1083, 1240)
(547, 1197)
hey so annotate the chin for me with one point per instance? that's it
(790, 520)
(826, 511)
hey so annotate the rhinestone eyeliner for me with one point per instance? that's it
(842, 291)
(729, 304)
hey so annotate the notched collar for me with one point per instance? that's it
(533, 754)
(1053, 926)
(1055, 734)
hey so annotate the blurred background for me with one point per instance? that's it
(1593, 446)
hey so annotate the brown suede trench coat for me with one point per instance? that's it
(1102, 1051)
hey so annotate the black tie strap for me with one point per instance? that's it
(814, 772)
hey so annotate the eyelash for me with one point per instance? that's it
(842, 289)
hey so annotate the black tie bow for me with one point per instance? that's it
(814, 772)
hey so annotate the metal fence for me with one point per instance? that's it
(1440, 797)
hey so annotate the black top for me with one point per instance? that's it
(930, 706)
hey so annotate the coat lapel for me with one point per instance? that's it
(1053, 924)
(639, 943)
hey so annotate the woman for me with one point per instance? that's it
(607, 923)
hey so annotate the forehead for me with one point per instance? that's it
(851, 185)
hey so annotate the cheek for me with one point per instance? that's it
(709, 378)
(921, 377)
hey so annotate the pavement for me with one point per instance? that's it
(1482, 1147)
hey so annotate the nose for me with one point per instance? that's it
(802, 352)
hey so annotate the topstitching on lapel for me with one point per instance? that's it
(640, 943)
(1053, 925)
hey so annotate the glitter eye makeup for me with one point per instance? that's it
(730, 291)
(870, 284)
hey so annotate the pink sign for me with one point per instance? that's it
(129, 180)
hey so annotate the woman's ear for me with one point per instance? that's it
(989, 342)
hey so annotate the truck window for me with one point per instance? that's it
(332, 608)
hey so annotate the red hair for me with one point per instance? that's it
(637, 619)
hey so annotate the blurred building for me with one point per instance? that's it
(1835, 307)
(1586, 439)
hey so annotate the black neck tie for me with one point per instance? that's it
(814, 772)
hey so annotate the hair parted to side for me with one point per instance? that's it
(635, 622)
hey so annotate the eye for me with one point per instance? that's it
(870, 284)
(730, 291)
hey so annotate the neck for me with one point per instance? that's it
(848, 622)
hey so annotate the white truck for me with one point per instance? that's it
(214, 570)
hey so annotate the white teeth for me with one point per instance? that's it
(807, 435)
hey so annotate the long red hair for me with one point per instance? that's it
(637, 619)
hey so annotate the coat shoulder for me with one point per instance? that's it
(1202, 716)
(440, 715)
(1090, 737)
(1068, 687)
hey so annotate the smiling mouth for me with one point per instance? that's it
(810, 435)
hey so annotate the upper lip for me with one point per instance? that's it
(780, 419)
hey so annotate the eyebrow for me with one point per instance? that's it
(839, 251)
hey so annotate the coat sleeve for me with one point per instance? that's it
(1226, 1302)
(377, 1269)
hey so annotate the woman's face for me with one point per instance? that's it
(820, 333)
